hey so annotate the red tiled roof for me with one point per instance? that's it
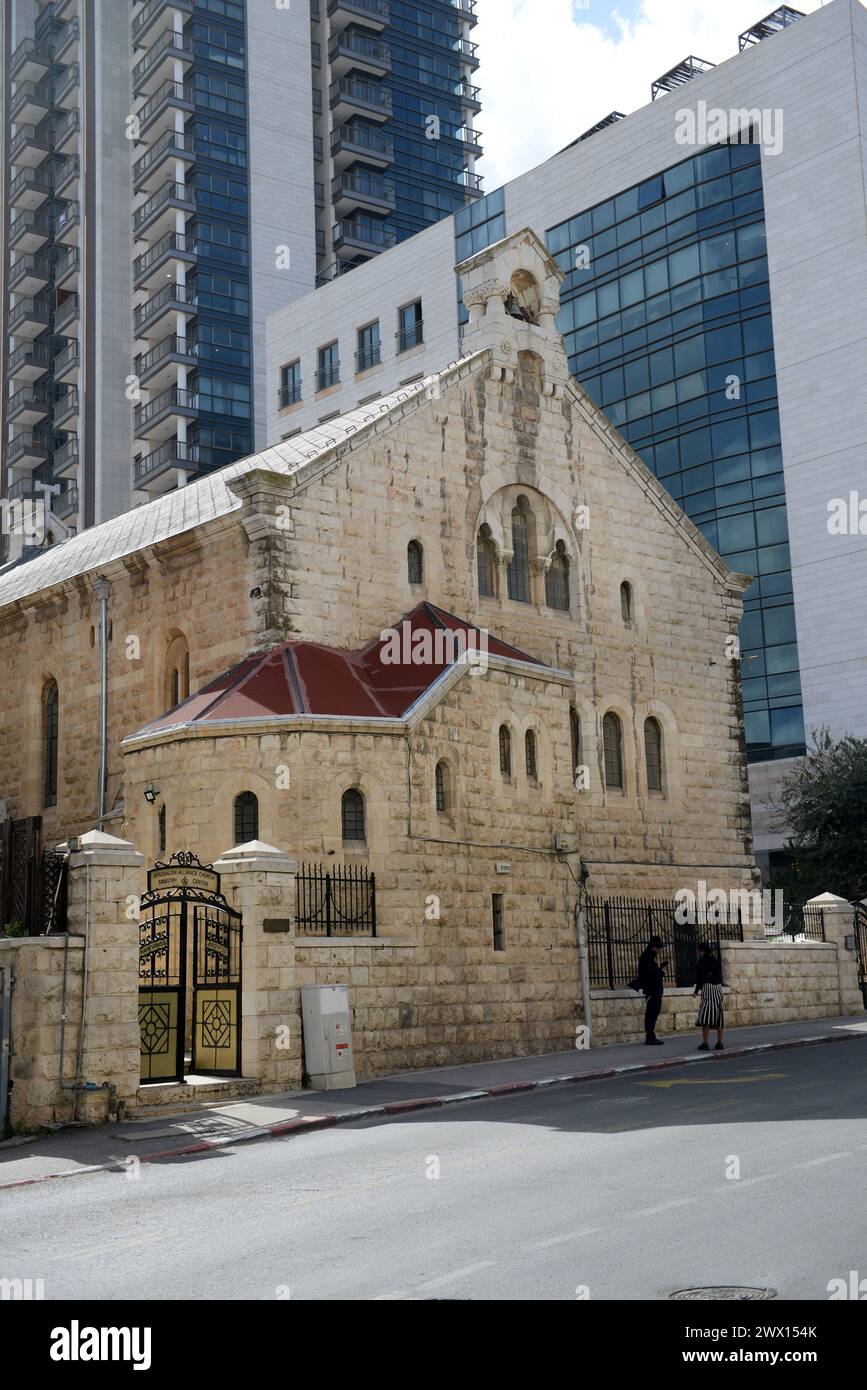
(307, 678)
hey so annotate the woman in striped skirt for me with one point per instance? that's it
(708, 983)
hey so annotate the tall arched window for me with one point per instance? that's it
(653, 755)
(626, 604)
(557, 581)
(50, 743)
(505, 750)
(443, 788)
(246, 818)
(177, 672)
(530, 759)
(352, 815)
(415, 563)
(486, 561)
(575, 732)
(612, 742)
(519, 565)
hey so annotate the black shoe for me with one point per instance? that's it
(653, 1042)
(719, 1048)
(703, 1047)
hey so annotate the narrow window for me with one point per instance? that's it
(177, 672)
(50, 743)
(161, 829)
(352, 815)
(519, 565)
(369, 352)
(290, 384)
(626, 604)
(443, 788)
(499, 931)
(415, 563)
(530, 756)
(575, 731)
(557, 581)
(505, 751)
(174, 687)
(653, 754)
(328, 368)
(246, 818)
(487, 563)
(410, 326)
(612, 741)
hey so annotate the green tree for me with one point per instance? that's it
(824, 802)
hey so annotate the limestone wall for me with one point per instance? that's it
(36, 1096)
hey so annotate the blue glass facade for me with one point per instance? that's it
(477, 227)
(667, 321)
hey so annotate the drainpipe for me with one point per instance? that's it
(583, 954)
(101, 588)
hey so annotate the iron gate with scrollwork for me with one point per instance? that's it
(189, 974)
(861, 946)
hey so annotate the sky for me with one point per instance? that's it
(552, 68)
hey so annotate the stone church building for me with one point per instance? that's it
(461, 638)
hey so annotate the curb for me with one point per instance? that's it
(310, 1124)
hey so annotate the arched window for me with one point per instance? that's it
(575, 731)
(653, 755)
(530, 758)
(177, 672)
(612, 742)
(519, 565)
(557, 581)
(415, 563)
(505, 750)
(246, 818)
(486, 560)
(50, 743)
(161, 829)
(443, 788)
(626, 605)
(352, 815)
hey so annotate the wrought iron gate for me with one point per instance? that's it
(5, 1009)
(861, 946)
(189, 973)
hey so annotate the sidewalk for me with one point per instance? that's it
(76, 1151)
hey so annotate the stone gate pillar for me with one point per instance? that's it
(259, 882)
(839, 918)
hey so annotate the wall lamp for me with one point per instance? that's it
(151, 794)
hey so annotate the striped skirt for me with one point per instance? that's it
(710, 1010)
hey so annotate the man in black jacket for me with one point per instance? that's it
(651, 978)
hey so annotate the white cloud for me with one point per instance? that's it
(552, 68)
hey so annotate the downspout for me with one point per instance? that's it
(583, 956)
(101, 588)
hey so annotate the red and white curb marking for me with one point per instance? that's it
(289, 1129)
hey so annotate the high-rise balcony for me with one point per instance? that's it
(66, 409)
(67, 225)
(166, 467)
(154, 266)
(353, 142)
(64, 464)
(357, 237)
(28, 405)
(66, 133)
(157, 114)
(470, 139)
(361, 188)
(27, 450)
(30, 61)
(66, 89)
(65, 504)
(29, 317)
(66, 9)
(156, 16)
(373, 14)
(467, 9)
(157, 216)
(159, 62)
(469, 96)
(157, 318)
(157, 418)
(30, 274)
(30, 231)
(351, 51)
(66, 42)
(29, 361)
(67, 363)
(356, 96)
(149, 171)
(30, 146)
(158, 368)
(67, 269)
(30, 189)
(468, 52)
(67, 316)
(31, 102)
(66, 178)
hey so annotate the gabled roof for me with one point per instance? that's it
(383, 680)
(205, 499)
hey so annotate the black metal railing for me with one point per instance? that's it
(800, 923)
(619, 929)
(336, 902)
(860, 924)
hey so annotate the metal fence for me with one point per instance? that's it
(799, 924)
(861, 946)
(619, 929)
(336, 902)
(32, 880)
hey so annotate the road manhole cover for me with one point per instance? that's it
(724, 1293)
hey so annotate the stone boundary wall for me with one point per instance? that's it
(36, 1095)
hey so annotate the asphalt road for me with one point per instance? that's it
(623, 1189)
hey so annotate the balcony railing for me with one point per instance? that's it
(368, 357)
(377, 9)
(366, 185)
(28, 398)
(172, 244)
(27, 444)
(67, 265)
(327, 376)
(29, 50)
(362, 46)
(176, 398)
(66, 405)
(172, 346)
(289, 393)
(66, 456)
(169, 41)
(365, 138)
(369, 233)
(410, 337)
(30, 135)
(355, 91)
(172, 140)
(169, 92)
(66, 503)
(151, 11)
(69, 357)
(30, 179)
(38, 267)
(70, 125)
(29, 355)
(38, 224)
(29, 310)
(38, 94)
(173, 454)
(170, 294)
(66, 312)
(169, 193)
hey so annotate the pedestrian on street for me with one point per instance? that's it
(651, 982)
(708, 983)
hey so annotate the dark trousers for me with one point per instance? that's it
(651, 1013)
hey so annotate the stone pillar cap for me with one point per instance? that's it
(257, 850)
(97, 843)
(829, 900)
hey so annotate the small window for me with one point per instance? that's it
(246, 818)
(626, 605)
(161, 829)
(352, 815)
(443, 788)
(486, 556)
(50, 743)
(653, 755)
(505, 750)
(328, 367)
(519, 565)
(575, 731)
(497, 924)
(290, 384)
(369, 352)
(612, 741)
(530, 756)
(557, 581)
(410, 331)
(177, 672)
(415, 563)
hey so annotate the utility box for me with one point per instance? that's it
(328, 1037)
